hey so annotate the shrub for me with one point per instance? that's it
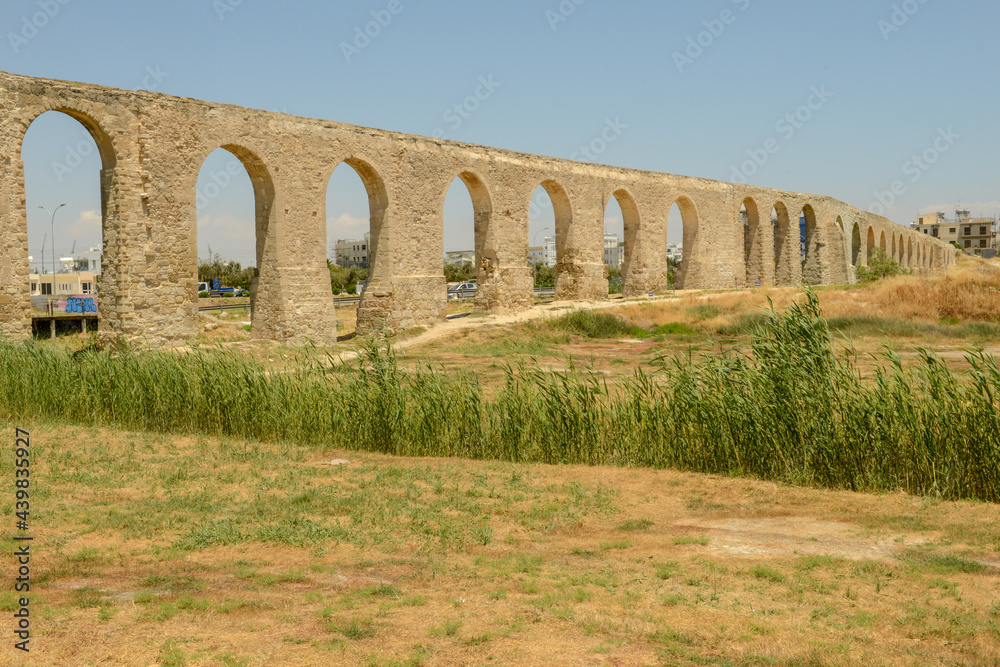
(597, 325)
(880, 266)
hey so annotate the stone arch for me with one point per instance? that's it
(882, 243)
(378, 204)
(107, 284)
(856, 244)
(754, 246)
(566, 253)
(485, 245)
(632, 222)
(263, 289)
(812, 270)
(870, 245)
(787, 257)
(105, 146)
(686, 278)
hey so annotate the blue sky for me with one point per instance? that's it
(699, 89)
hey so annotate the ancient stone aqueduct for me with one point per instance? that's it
(153, 147)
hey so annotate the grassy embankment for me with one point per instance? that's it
(791, 410)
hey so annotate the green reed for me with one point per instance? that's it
(791, 409)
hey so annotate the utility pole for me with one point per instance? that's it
(53, 225)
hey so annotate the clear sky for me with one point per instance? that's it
(848, 92)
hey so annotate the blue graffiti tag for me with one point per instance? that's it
(80, 305)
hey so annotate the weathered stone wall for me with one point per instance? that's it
(153, 147)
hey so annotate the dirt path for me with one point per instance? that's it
(462, 322)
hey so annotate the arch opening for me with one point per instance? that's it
(787, 253)
(855, 244)
(356, 203)
(549, 218)
(234, 202)
(683, 218)
(809, 247)
(870, 244)
(621, 230)
(753, 244)
(68, 163)
(470, 253)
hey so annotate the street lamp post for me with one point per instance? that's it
(534, 272)
(53, 227)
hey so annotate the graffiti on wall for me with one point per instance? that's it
(79, 305)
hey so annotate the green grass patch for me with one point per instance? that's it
(635, 525)
(943, 563)
(765, 573)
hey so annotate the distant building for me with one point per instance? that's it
(613, 251)
(88, 262)
(551, 255)
(460, 257)
(675, 251)
(80, 283)
(536, 256)
(977, 236)
(353, 253)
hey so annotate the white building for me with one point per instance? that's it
(536, 256)
(351, 253)
(460, 258)
(87, 262)
(551, 256)
(613, 254)
(675, 251)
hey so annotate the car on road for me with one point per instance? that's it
(465, 290)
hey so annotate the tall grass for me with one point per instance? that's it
(791, 409)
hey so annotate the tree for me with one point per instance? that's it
(459, 273)
(345, 279)
(231, 273)
(545, 276)
(880, 266)
(672, 267)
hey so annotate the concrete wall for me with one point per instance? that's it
(153, 147)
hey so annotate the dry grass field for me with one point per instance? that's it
(191, 551)
(156, 549)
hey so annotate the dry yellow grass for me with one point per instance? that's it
(471, 563)
(970, 292)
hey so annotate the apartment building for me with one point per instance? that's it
(977, 236)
